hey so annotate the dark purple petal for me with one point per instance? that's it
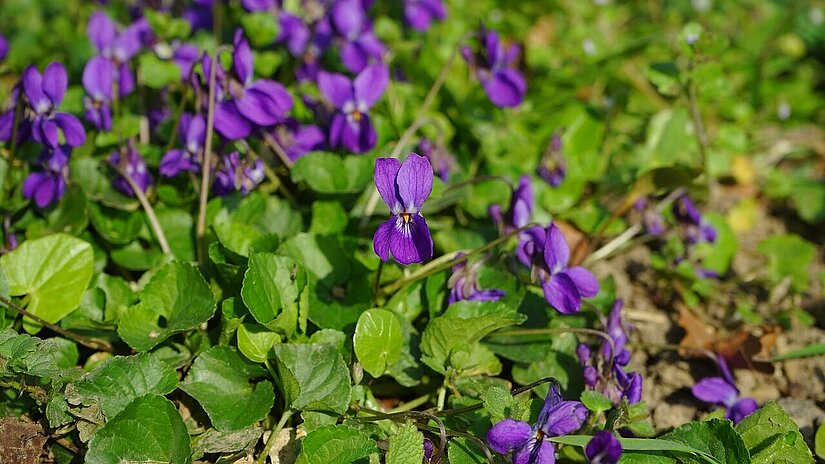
(4, 47)
(542, 452)
(560, 291)
(242, 58)
(586, 283)
(46, 132)
(386, 169)
(725, 370)
(98, 76)
(741, 409)
(591, 376)
(336, 129)
(31, 183)
(47, 191)
(414, 182)
(603, 448)
(294, 32)
(583, 353)
(564, 418)
(195, 133)
(33, 86)
(336, 88)
(685, 210)
(715, 390)
(185, 56)
(349, 18)
(505, 88)
(556, 251)
(175, 162)
(129, 42)
(381, 239)
(55, 82)
(633, 389)
(360, 136)
(259, 5)
(369, 85)
(417, 16)
(522, 203)
(72, 129)
(509, 434)
(125, 80)
(264, 104)
(101, 30)
(488, 294)
(410, 242)
(356, 55)
(229, 122)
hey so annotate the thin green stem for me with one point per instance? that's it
(447, 261)
(37, 393)
(273, 436)
(698, 125)
(93, 343)
(410, 405)
(376, 287)
(277, 148)
(147, 207)
(178, 114)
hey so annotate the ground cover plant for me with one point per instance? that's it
(412, 231)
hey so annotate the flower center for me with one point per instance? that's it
(407, 217)
(356, 116)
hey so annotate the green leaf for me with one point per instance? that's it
(261, 27)
(328, 218)
(464, 451)
(53, 271)
(714, 437)
(157, 73)
(336, 443)
(788, 256)
(668, 142)
(329, 173)
(237, 237)
(24, 354)
(719, 254)
(596, 401)
(115, 226)
(814, 349)
(215, 442)
(271, 282)
(378, 340)
(176, 299)
(149, 429)
(220, 381)
(321, 256)
(499, 403)
(772, 436)
(314, 377)
(119, 380)
(406, 446)
(255, 341)
(819, 441)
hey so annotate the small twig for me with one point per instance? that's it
(419, 121)
(37, 393)
(93, 343)
(200, 228)
(273, 436)
(278, 149)
(147, 207)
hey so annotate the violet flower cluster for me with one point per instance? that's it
(604, 371)
(527, 442)
(495, 66)
(552, 167)
(722, 392)
(463, 284)
(603, 448)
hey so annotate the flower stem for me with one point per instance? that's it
(376, 288)
(206, 166)
(93, 343)
(150, 212)
(698, 125)
(178, 114)
(37, 393)
(447, 261)
(278, 149)
(273, 436)
(419, 121)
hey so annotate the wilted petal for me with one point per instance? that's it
(98, 77)
(386, 169)
(381, 239)
(564, 418)
(101, 30)
(55, 82)
(509, 434)
(414, 182)
(369, 85)
(536, 453)
(715, 390)
(586, 283)
(742, 409)
(411, 242)
(336, 88)
(556, 251)
(560, 291)
(229, 122)
(72, 129)
(242, 58)
(603, 448)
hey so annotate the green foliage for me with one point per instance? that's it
(378, 340)
(314, 377)
(406, 446)
(335, 443)
(788, 257)
(772, 436)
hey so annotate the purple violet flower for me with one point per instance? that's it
(722, 391)
(296, 139)
(98, 76)
(696, 229)
(521, 208)
(193, 136)
(237, 175)
(564, 287)
(438, 155)
(603, 448)
(45, 92)
(260, 5)
(557, 417)
(294, 33)
(419, 14)
(199, 14)
(428, 450)
(404, 188)
(553, 168)
(351, 126)
(495, 68)
(134, 166)
(652, 220)
(47, 186)
(463, 284)
(4, 47)
(119, 48)
(7, 119)
(360, 45)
